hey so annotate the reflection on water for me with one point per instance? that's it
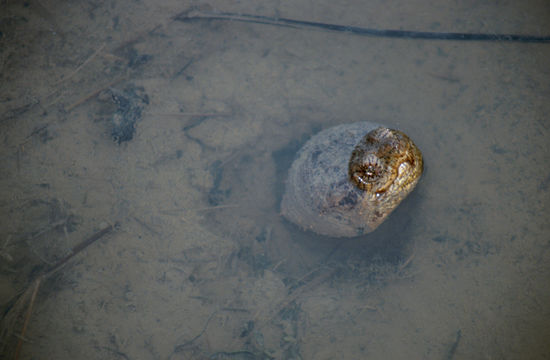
(203, 265)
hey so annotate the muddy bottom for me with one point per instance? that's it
(178, 136)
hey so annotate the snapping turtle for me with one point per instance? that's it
(347, 179)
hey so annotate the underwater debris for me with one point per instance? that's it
(130, 103)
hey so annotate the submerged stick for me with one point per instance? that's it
(193, 114)
(90, 58)
(19, 304)
(195, 14)
(181, 347)
(93, 94)
(79, 247)
(27, 317)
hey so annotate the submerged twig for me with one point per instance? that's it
(195, 14)
(79, 247)
(10, 318)
(93, 94)
(177, 211)
(182, 347)
(27, 317)
(90, 58)
(194, 114)
(208, 208)
(407, 262)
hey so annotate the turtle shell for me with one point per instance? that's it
(347, 179)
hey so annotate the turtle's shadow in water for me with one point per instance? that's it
(390, 244)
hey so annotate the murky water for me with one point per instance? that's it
(211, 113)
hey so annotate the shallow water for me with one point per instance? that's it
(202, 265)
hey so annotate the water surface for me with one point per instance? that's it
(203, 266)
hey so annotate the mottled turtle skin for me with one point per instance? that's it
(347, 179)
